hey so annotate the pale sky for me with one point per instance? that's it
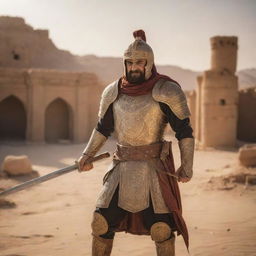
(177, 30)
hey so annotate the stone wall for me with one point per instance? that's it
(247, 115)
(73, 95)
(217, 97)
(224, 53)
(219, 109)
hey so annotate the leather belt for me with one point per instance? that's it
(137, 153)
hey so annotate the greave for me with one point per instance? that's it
(166, 248)
(101, 246)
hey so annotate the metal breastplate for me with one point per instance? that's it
(138, 120)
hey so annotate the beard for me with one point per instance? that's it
(135, 77)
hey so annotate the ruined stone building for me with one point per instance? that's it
(221, 113)
(45, 95)
(41, 97)
(247, 115)
(217, 96)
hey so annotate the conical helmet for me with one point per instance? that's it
(139, 49)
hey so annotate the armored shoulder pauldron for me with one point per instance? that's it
(171, 94)
(109, 95)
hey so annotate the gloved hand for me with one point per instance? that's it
(96, 141)
(84, 163)
(182, 177)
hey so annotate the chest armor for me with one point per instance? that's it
(138, 120)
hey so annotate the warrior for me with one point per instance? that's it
(140, 194)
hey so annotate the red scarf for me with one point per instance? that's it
(143, 88)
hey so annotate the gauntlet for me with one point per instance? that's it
(186, 146)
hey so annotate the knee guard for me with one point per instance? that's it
(160, 231)
(99, 224)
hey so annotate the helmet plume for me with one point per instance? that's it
(139, 34)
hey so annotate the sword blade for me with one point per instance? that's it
(49, 176)
(38, 180)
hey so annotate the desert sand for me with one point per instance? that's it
(53, 218)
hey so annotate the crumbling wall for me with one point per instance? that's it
(217, 96)
(246, 130)
(224, 53)
(37, 89)
(21, 46)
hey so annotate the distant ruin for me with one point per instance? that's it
(37, 101)
(45, 95)
(21, 46)
(246, 129)
(220, 113)
(217, 96)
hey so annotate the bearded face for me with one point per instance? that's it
(136, 77)
(135, 71)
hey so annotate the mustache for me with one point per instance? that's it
(135, 71)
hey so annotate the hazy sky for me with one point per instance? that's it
(177, 30)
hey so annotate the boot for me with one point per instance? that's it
(101, 246)
(166, 248)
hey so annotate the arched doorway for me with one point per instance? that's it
(12, 119)
(58, 121)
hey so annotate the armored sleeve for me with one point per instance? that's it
(182, 127)
(105, 124)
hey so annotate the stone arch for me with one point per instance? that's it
(58, 121)
(4, 96)
(13, 119)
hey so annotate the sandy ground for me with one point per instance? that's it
(53, 219)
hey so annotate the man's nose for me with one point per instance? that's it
(134, 67)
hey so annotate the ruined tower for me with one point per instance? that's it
(217, 96)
